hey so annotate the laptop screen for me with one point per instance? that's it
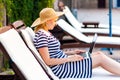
(93, 43)
(87, 54)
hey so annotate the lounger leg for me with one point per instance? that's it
(110, 51)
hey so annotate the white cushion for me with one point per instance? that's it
(22, 56)
(98, 30)
(30, 32)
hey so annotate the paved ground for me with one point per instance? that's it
(101, 15)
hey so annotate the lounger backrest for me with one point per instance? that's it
(30, 32)
(22, 56)
(73, 21)
(73, 32)
(28, 38)
(19, 24)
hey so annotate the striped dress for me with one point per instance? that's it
(77, 69)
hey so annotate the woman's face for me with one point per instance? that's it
(51, 23)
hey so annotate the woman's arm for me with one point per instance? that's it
(55, 61)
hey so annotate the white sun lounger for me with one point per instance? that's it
(104, 30)
(22, 57)
(101, 40)
(98, 73)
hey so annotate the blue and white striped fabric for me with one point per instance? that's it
(77, 69)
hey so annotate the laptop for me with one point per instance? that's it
(87, 54)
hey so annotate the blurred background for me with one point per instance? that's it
(27, 10)
(83, 10)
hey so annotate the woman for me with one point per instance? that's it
(62, 65)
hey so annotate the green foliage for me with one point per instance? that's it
(26, 10)
(1, 12)
(6, 64)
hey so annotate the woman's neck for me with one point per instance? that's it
(45, 28)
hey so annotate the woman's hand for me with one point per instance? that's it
(77, 51)
(75, 57)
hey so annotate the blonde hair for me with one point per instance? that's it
(41, 26)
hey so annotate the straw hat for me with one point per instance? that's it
(46, 14)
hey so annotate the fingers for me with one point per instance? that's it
(75, 58)
(80, 51)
